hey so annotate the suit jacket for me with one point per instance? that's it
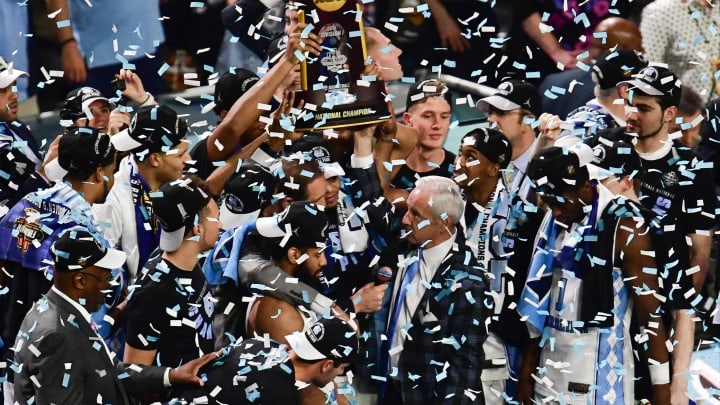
(449, 324)
(442, 356)
(60, 359)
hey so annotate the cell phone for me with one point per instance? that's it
(118, 85)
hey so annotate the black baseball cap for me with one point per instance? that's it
(614, 157)
(232, 85)
(492, 143)
(77, 104)
(657, 81)
(176, 204)
(81, 150)
(615, 66)
(425, 89)
(328, 338)
(77, 249)
(557, 169)
(314, 147)
(511, 95)
(246, 193)
(243, 20)
(153, 129)
(303, 223)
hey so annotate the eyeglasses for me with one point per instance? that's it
(108, 279)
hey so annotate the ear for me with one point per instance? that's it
(493, 170)
(406, 119)
(223, 114)
(326, 366)
(622, 92)
(99, 176)
(670, 114)
(293, 254)
(198, 229)
(78, 281)
(153, 159)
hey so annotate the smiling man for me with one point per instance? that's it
(484, 153)
(295, 239)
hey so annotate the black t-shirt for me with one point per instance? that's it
(171, 310)
(679, 185)
(199, 154)
(406, 177)
(247, 373)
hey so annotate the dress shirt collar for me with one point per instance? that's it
(433, 257)
(84, 312)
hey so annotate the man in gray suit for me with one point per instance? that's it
(60, 358)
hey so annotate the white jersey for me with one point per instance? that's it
(484, 238)
(586, 365)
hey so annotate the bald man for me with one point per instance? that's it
(563, 92)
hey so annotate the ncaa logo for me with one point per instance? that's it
(316, 332)
(649, 74)
(505, 88)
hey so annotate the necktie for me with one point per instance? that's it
(508, 176)
(407, 280)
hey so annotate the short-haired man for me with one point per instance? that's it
(483, 154)
(274, 373)
(59, 355)
(513, 110)
(384, 53)
(295, 241)
(428, 111)
(31, 226)
(582, 303)
(156, 141)
(173, 280)
(439, 305)
(673, 179)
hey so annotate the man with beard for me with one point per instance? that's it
(295, 240)
(34, 223)
(672, 184)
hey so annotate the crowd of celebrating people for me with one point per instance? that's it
(563, 254)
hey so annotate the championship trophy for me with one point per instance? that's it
(333, 87)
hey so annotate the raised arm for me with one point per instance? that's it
(245, 111)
